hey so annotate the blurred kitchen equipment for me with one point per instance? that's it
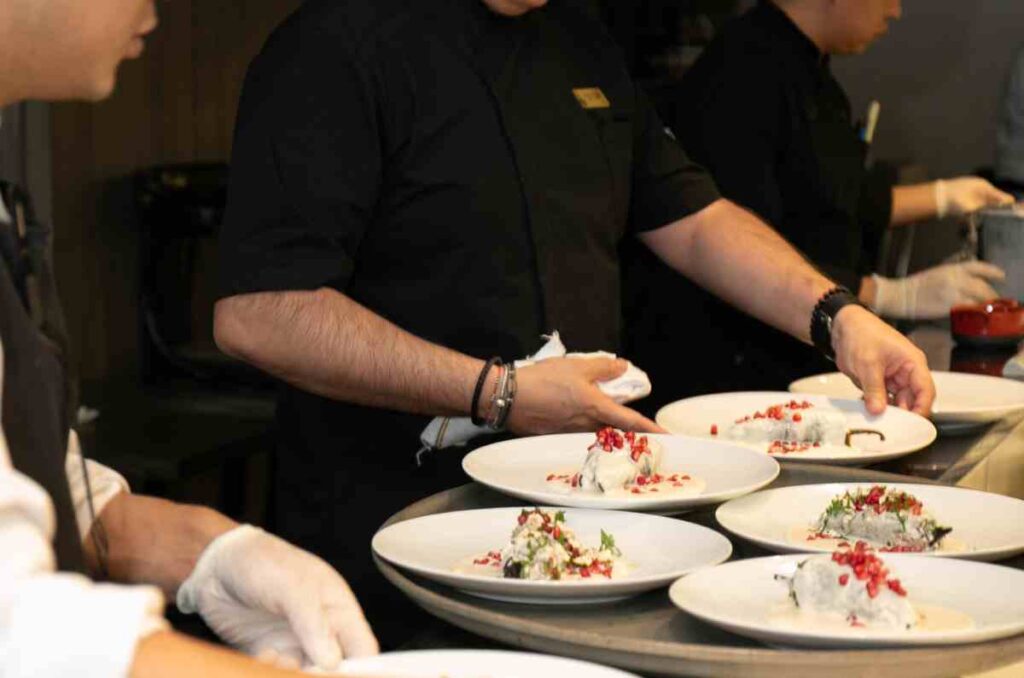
(1001, 241)
(988, 361)
(996, 324)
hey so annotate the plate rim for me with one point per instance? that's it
(597, 588)
(864, 459)
(353, 662)
(825, 639)
(641, 504)
(946, 414)
(986, 555)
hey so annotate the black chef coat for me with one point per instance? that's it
(431, 161)
(37, 398)
(762, 111)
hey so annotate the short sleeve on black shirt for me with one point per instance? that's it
(306, 165)
(667, 185)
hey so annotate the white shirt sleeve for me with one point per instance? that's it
(104, 482)
(58, 624)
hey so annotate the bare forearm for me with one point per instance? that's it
(170, 655)
(911, 204)
(738, 257)
(154, 541)
(328, 344)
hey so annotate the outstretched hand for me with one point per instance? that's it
(561, 395)
(881, 361)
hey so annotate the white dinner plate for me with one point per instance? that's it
(657, 549)
(520, 467)
(985, 526)
(959, 398)
(745, 598)
(473, 664)
(905, 432)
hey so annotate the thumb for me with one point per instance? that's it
(983, 269)
(977, 290)
(603, 369)
(873, 385)
(352, 630)
(311, 626)
(993, 196)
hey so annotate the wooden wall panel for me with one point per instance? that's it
(176, 104)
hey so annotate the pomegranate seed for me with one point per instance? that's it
(797, 417)
(714, 429)
(844, 579)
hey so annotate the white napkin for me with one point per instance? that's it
(1014, 367)
(445, 432)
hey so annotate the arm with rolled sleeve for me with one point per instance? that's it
(736, 256)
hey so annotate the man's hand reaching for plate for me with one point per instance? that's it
(881, 361)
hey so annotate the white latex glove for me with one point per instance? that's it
(275, 601)
(932, 292)
(957, 197)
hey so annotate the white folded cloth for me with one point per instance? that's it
(1014, 367)
(445, 432)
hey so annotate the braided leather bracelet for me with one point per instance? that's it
(474, 406)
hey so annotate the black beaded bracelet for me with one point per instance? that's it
(475, 405)
(824, 314)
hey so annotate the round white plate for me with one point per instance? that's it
(658, 549)
(959, 398)
(520, 467)
(472, 664)
(989, 526)
(743, 597)
(905, 432)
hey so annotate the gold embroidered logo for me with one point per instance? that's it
(591, 97)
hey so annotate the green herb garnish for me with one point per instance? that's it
(608, 543)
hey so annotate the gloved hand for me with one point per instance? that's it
(275, 601)
(931, 293)
(957, 197)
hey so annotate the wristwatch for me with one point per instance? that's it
(824, 314)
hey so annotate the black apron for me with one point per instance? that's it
(38, 399)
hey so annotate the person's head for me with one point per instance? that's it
(514, 7)
(843, 26)
(68, 49)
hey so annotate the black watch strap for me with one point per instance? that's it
(824, 313)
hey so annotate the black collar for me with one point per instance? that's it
(785, 31)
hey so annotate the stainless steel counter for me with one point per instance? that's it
(649, 635)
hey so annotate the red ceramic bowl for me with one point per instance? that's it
(996, 323)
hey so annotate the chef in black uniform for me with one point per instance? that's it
(762, 111)
(64, 519)
(417, 187)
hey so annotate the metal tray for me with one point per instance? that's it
(649, 635)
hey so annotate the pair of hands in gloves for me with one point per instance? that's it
(276, 602)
